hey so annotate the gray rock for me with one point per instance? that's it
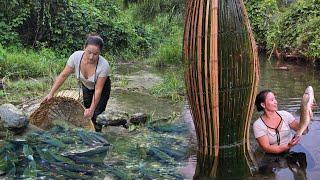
(113, 118)
(138, 118)
(12, 118)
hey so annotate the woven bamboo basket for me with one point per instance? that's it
(65, 109)
(221, 72)
(70, 94)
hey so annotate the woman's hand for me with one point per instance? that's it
(88, 113)
(294, 141)
(47, 98)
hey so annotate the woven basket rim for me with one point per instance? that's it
(40, 115)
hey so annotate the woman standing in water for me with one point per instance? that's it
(273, 128)
(92, 71)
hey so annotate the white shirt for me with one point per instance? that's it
(102, 70)
(260, 129)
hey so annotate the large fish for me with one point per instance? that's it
(305, 110)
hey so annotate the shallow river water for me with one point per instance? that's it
(288, 81)
(166, 147)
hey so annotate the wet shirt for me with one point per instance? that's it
(260, 129)
(102, 70)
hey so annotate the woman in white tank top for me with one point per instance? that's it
(92, 71)
(273, 128)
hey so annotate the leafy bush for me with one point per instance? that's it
(63, 25)
(297, 31)
(169, 47)
(147, 10)
(11, 17)
(261, 14)
(285, 3)
(172, 86)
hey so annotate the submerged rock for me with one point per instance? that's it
(12, 118)
(113, 118)
(138, 118)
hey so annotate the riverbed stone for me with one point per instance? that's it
(113, 118)
(138, 118)
(13, 118)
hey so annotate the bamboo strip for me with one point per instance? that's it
(254, 86)
(194, 78)
(214, 72)
(207, 77)
(199, 72)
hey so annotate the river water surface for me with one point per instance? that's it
(166, 147)
(288, 81)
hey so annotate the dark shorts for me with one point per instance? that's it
(105, 94)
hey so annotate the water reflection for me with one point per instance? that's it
(230, 164)
(289, 86)
(303, 162)
(285, 166)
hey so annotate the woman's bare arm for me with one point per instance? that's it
(265, 145)
(59, 81)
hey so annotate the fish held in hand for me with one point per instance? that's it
(306, 110)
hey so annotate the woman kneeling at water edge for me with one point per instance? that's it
(273, 128)
(92, 71)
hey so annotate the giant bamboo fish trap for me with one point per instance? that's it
(221, 72)
(65, 109)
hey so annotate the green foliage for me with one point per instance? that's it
(160, 29)
(168, 51)
(24, 89)
(12, 15)
(21, 90)
(292, 30)
(16, 62)
(2, 93)
(148, 9)
(285, 3)
(297, 31)
(145, 40)
(261, 14)
(172, 86)
(63, 25)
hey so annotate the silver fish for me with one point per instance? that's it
(306, 110)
